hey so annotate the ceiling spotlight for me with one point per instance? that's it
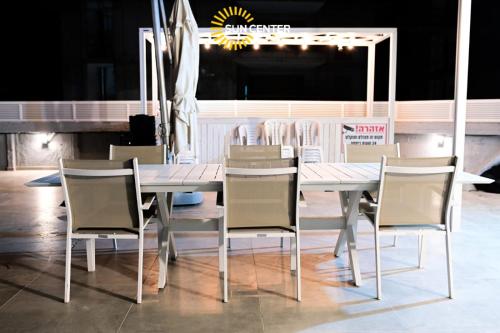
(207, 46)
(256, 46)
(304, 47)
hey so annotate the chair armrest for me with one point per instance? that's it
(148, 201)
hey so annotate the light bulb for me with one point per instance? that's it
(350, 47)
(256, 46)
(304, 47)
(207, 46)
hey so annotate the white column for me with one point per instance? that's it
(392, 83)
(461, 77)
(154, 82)
(370, 81)
(143, 72)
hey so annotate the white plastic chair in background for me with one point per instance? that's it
(307, 140)
(249, 135)
(277, 132)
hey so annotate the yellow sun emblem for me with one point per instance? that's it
(220, 34)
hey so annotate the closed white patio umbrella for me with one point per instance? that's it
(185, 63)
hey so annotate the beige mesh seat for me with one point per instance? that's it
(261, 200)
(414, 198)
(365, 154)
(102, 201)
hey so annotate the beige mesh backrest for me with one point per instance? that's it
(258, 201)
(419, 197)
(369, 153)
(250, 135)
(145, 154)
(101, 202)
(254, 152)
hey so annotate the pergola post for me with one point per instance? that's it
(461, 77)
(392, 83)
(143, 72)
(370, 80)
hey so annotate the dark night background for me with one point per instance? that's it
(88, 50)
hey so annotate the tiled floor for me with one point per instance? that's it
(262, 289)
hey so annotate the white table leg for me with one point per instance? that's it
(351, 226)
(342, 240)
(162, 238)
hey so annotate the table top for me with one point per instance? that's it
(208, 177)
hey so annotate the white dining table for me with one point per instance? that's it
(349, 179)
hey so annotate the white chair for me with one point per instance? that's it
(103, 200)
(365, 154)
(277, 132)
(145, 155)
(250, 135)
(414, 198)
(307, 140)
(261, 200)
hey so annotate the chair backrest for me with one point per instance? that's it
(250, 135)
(277, 132)
(144, 154)
(307, 133)
(261, 193)
(255, 152)
(415, 191)
(101, 194)
(369, 153)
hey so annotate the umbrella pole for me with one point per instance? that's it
(160, 73)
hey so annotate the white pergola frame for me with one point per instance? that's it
(340, 37)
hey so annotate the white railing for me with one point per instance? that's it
(486, 110)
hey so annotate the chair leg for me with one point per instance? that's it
(377, 264)
(115, 244)
(448, 260)
(229, 243)
(281, 244)
(395, 241)
(298, 269)
(221, 246)
(139, 268)
(225, 272)
(341, 241)
(293, 260)
(67, 275)
(420, 251)
(90, 246)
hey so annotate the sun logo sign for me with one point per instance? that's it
(232, 30)
(224, 34)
